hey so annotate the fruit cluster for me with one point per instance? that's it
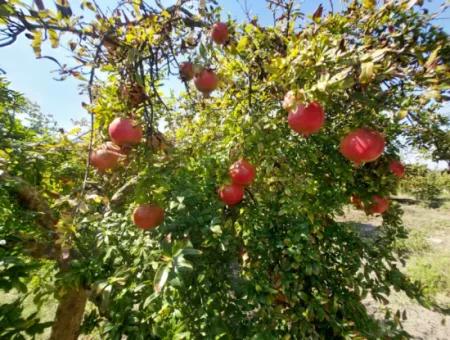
(205, 79)
(361, 145)
(242, 174)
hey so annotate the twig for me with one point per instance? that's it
(247, 190)
(91, 135)
(250, 92)
(148, 118)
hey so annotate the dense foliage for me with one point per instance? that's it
(277, 265)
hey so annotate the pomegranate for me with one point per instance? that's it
(103, 159)
(186, 71)
(397, 168)
(242, 172)
(219, 33)
(307, 119)
(231, 194)
(148, 216)
(124, 131)
(206, 81)
(362, 145)
(379, 205)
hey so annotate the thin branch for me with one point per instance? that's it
(332, 6)
(148, 118)
(91, 136)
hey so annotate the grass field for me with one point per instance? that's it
(429, 261)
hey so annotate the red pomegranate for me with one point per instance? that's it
(307, 119)
(231, 194)
(148, 216)
(103, 159)
(186, 71)
(125, 131)
(362, 145)
(206, 81)
(379, 205)
(356, 201)
(242, 172)
(219, 33)
(397, 168)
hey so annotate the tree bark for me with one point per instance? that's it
(69, 314)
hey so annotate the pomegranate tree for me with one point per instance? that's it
(151, 285)
(362, 145)
(125, 131)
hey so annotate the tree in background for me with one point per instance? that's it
(273, 262)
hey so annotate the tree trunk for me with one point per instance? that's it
(69, 315)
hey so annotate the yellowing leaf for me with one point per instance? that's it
(37, 42)
(54, 38)
(367, 72)
(242, 44)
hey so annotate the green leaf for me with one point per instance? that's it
(191, 251)
(161, 276)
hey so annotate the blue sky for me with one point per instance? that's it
(61, 99)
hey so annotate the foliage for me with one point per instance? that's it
(29, 151)
(427, 185)
(278, 264)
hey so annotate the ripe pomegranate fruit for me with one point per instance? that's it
(231, 194)
(103, 159)
(242, 172)
(307, 119)
(362, 145)
(206, 81)
(186, 71)
(379, 205)
(124, 131)
(148, 216)
(219, 33)
(397, 168)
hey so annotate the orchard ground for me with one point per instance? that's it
(429, 261)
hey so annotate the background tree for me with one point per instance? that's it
(278, 264)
